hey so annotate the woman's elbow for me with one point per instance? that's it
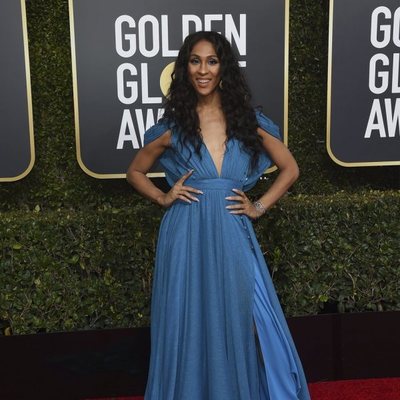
(292, 172)
(296, 172)
(130, 176)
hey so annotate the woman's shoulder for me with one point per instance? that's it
(267, 125)
(160, 128)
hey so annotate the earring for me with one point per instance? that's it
(220, 84)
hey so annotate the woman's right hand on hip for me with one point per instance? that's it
(179, 191)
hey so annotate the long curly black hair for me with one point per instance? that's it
(180, 106)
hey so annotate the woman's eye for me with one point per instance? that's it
(213, 61)
(194, 61)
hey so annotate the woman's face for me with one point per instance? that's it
(204, 68)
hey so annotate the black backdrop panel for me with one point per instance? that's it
(364, 117)
(139, 39)
(16, 130)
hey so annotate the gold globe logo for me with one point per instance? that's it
(165, 78)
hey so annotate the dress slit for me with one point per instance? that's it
(275, 363)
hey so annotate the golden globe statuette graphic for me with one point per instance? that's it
(166, 78)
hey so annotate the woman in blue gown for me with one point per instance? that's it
(217, 329)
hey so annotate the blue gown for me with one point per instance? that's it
(217, 329)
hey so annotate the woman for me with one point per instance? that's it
(217, 329)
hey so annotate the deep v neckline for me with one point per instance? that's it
(219, 173)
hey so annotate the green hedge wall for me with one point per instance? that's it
(67, 269)
(77, 253)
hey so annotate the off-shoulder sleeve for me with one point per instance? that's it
(268, 125)
(156, 131)
(264, 161)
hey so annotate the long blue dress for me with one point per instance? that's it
(217, 329)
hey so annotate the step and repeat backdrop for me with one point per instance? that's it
(364, 82)
(17, 154)
(123, 52)
(122, 58)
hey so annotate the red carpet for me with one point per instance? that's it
(362, 389)
(366, 389)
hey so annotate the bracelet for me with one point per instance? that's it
(259, 207)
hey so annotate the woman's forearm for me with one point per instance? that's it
(282, 183)
(142, 163)
(144, 186)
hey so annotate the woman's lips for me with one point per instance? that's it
(203, 82)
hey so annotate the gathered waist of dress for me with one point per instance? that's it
(214, 184)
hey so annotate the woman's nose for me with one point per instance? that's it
(203, 68)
